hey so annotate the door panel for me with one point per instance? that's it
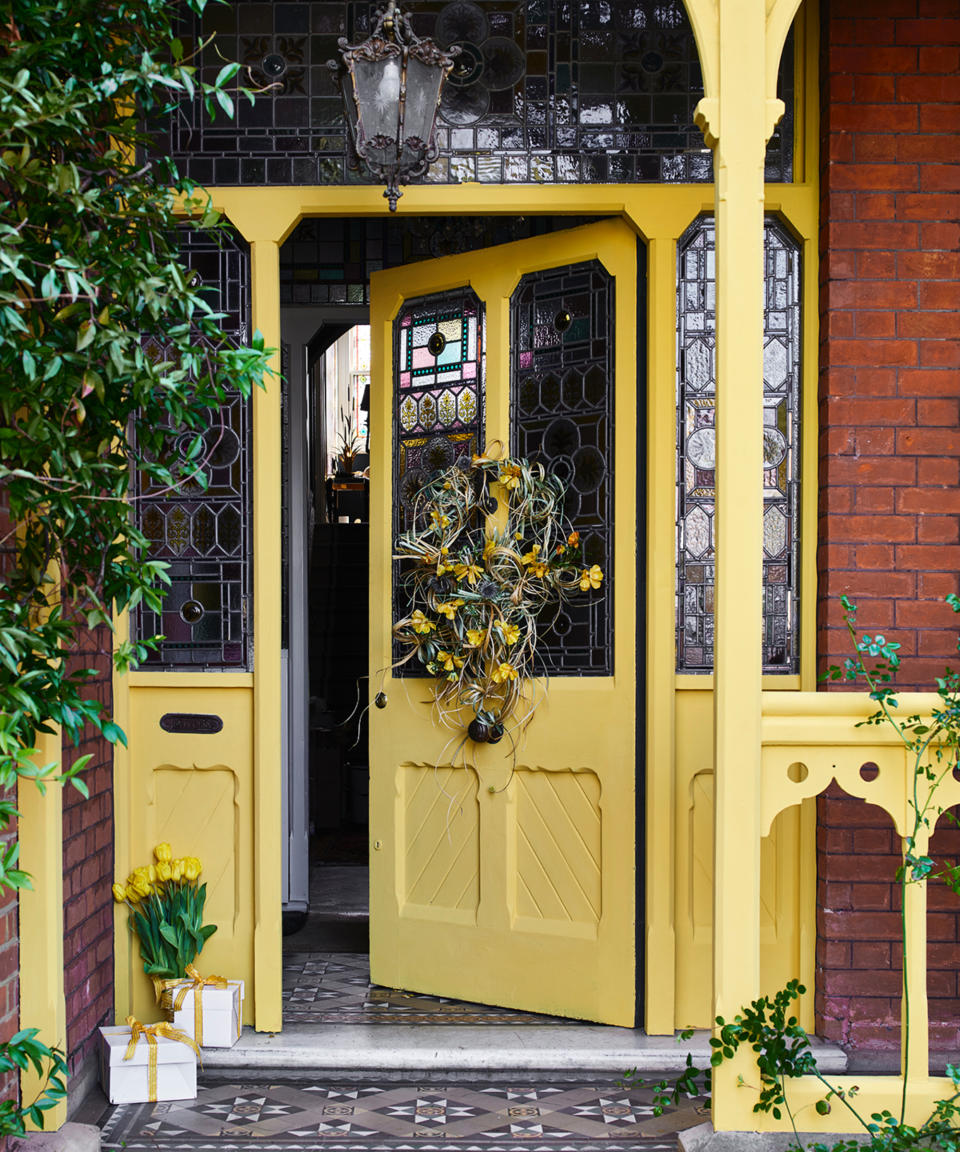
(492, 882)
(195, 791)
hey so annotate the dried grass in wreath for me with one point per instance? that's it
(490, 554)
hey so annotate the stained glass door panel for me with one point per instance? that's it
(497, 872)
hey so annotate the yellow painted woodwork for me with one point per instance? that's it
(659, 214)
(42, 1003)
(737, 114)
(508, 889)
(196, 792)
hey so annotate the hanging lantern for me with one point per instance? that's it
(391, 85)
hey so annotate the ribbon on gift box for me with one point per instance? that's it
(150, 1032)
(165, 995)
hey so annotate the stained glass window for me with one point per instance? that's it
(562, 390)
(205, 536)
(696, 491)
(544, 92)
(438, 387)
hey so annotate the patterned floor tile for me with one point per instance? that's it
(335, 988)
(566, 1116)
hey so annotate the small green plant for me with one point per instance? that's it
(781, 1046)
(22, 1051)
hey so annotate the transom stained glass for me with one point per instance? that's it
(543, 92)
(561, 414)
(696, 459)
(205, 535)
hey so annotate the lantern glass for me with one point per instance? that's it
(423, 92)
(378, 103)
(391, 87)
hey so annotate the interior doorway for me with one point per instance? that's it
(326, 590)
(325, 274)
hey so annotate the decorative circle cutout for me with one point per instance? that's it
(273, 66)
(562, 320)
(468, 66)
(798, 772)
(774, 447)
(191, 612)
(436, 343)
(702, 449)
(461, 21)
(225, 447)
(869, 771)
(462, 106)
(504, 61)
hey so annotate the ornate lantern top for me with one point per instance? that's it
(391, 85)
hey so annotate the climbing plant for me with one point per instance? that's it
(780, 1045)
(89, 269)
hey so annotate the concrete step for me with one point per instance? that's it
(392, 1048)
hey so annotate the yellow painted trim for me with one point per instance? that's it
(123, 825)
(42, 1003)
(703, 682)
(267, 722)
(190, 679)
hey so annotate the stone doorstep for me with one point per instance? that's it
(70, 1138)
(472, 1048)
(704, 1139)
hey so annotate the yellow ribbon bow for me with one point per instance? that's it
(198, 984)
(150, 1032)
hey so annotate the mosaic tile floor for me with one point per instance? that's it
(562, 1115)
(335, 988)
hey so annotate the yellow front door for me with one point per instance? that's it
(493, 882)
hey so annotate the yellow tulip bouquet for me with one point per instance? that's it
(488, 558)
(166, 912)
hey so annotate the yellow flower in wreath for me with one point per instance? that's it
(469, 572)
(421, 624)
(449, 608)
(591, 578)
(510, 475)
(509, 632)
(504, 672)
(474, 637)
(531, 557)
(448, 661)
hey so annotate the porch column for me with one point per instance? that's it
(42, 1002)
(737, 118)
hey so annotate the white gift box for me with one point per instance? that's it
(222, 1008)
(128, 1081)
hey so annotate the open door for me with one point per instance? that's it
(489, 883)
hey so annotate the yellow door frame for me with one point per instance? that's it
(660, 214)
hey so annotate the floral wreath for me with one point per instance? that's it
(489, 553)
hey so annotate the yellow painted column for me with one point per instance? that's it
(915, 1045)
(660, 936)
(42, 1002)
(735, 120)
(267, 717)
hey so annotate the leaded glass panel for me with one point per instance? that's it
(561, 414)
(696, 491)
(205, 536)
(544, 92)
(439, 345)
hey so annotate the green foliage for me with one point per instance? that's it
(169, 925)
(21, 1052)
(89, 272)
(780, 1045)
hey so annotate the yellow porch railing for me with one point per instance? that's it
(810, 739)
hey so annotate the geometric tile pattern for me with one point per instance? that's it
(557, 1116)
(335, 988)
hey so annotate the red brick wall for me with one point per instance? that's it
(88, 873)
(890, 440)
